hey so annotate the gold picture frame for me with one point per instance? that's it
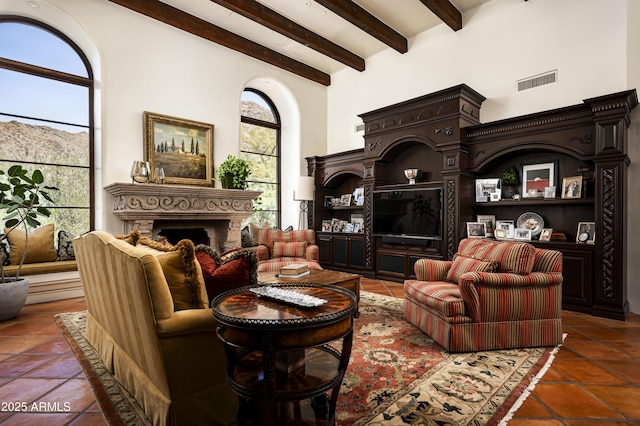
(183, 148)
(572, 187)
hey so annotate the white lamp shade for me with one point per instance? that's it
(304, 189)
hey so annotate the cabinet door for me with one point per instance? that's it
(341, 251)
(577, 283)
(356, 252)
(325, 247)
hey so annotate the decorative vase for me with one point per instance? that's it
(13, 295)
(412, 175)
(227, 182)
(508, 191)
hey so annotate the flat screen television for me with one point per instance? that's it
(408, 213)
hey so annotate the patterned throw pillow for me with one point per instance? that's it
(290, 249)
(462, 264)
(65, 246)
(4, 250)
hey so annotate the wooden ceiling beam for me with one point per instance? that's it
(201, 28)
(261, 14)
(446, 11)
(359, 17)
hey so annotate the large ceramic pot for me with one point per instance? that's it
(13, 295)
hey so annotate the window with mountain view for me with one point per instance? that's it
(46, 117)
(260, 147)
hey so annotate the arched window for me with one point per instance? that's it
(260, 146)
(46, 116)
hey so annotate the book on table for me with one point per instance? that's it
(294, 270)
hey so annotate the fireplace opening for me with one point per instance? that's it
(197, 235)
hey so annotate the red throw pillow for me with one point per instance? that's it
(238, 269)
(233, 274)
(207, 263)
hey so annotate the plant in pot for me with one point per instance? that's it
(233, 173)
(509, 182)
(21, 196)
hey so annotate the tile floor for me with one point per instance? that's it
(594, 380)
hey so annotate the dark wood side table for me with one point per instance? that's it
(256, 331)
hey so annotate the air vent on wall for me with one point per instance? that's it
(358, 128)
(538, 80)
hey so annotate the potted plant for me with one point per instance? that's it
(509, 182)
(233, 173)
(20, 198)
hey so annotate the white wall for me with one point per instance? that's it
(501, 42)
(144, 65)
(593, 44)
(633, 224)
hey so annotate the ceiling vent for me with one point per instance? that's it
(358, 128)
(538, 80)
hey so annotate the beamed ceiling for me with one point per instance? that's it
(309, 38)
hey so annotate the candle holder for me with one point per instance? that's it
(140, 172)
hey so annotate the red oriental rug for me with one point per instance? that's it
(397, 375)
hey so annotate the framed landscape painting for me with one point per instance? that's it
(183, 148)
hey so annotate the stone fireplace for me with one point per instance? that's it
(152, 208)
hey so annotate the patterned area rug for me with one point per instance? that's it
(396, 375)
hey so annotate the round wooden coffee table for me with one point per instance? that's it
(281, 352)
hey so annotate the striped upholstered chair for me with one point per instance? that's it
(492, 295)
(278, 248)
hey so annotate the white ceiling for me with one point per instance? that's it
(407, 17)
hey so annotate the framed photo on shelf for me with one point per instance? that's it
(545, 235)
(522, 234)
(537, 177)
(550, 192)
(488, 190)
(500, 233)
(586, 233)
(182, 148)
(328, 201)
(345, 200)
(572, 187)
(326, 226)
(508, 225)
(490, 223)
(358, 196)
(476, 230)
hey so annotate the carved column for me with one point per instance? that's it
(611, 116)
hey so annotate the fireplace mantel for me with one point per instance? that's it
(151, 207)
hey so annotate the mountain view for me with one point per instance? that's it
(18, 139)
(18, 143)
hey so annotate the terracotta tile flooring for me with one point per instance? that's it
(594, 380)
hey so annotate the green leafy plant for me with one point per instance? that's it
(21, 198)
(510, 177)
(233, 173)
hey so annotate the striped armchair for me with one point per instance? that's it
(492, 295)
(278, 248)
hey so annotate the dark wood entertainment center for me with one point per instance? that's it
(441, 134)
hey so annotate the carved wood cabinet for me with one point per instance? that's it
(440, 133)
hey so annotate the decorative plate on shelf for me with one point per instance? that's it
(531, 221)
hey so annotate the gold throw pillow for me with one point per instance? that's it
(40, 247)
